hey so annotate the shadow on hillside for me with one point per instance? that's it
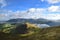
(20, 29)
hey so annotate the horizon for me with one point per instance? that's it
(30, 9)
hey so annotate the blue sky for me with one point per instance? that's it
(48, 9)
(25, 4)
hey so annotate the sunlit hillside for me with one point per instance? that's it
(29, 25)
(28, 32)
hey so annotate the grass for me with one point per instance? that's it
(51, 33)
(27, 34)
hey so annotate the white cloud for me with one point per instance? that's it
(2, 15)
(3, 3)
(42, 0)
(34, 13)
(54, 8)
(30, 13)
(52, 1)
(52, 16)
(32, 10)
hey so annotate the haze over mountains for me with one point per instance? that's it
(35, 21)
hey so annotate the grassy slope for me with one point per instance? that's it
(52, 33)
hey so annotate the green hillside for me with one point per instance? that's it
(52, 33)
(11, 32)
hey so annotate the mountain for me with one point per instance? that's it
(21, 20)
(35, 21)
(54, 24)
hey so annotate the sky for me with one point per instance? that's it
(30, 9)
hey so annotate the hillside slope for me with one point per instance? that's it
(51, 33)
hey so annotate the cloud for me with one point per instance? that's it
(2, 15)
(51, 13)
(42, 0)
(52, 16)
(36, 13)
(52, 1)
(5, 14)
(30, 13)
(54, 8)
(3, 3)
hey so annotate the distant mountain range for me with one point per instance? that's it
(35, 21)
(21, 20)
